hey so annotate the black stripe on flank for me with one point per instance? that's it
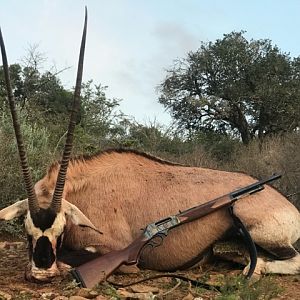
(76, 258)
(284, 252)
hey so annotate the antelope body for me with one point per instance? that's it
(122, 191)
(114, 194)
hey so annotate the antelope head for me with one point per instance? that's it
(45, 225)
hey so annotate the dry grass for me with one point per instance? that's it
(276, 155)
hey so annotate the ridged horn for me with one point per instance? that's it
(61, 178)
(32, 199)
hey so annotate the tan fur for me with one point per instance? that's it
(121, 192)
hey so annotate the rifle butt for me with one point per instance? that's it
(97, 270)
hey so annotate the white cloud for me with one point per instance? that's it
(131, 42)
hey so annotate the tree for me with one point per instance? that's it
(234, 86)
(45, 102)
(37, 92)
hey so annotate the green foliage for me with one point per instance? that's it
(11, 183)
(37, 92)
(220, 146)
(235, 86)
(240, 288)
(150, 137)
(12, 229)
(37, 144)
(100, 119)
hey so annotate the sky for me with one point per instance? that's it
(131, 43)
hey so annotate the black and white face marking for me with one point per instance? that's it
(44, 230)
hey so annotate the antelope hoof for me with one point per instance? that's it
(259, 269)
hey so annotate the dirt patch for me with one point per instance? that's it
(226, 283)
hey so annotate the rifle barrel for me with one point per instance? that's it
(202, 210)
(253, 186)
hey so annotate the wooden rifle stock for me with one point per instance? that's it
(97, 270)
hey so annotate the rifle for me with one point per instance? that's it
(97, 270)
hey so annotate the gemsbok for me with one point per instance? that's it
(100, 203)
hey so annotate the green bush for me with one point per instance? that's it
(39, 155)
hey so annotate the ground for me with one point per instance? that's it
(228, 284)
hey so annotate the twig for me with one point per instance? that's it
(172, 289)
(177, 276)
(55, 149)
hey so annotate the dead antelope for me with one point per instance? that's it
(118, 192)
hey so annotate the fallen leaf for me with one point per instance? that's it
(5, 296)
(189, 296)
(140, 288)
(124, 294)
(87, 293)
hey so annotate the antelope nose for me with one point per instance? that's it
(34, 274)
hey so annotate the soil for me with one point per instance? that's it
(13, 259)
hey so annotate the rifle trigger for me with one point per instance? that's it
(161, 239)
(151, 245)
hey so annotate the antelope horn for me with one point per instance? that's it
(32, 199)
(61, 177)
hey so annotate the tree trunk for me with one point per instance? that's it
(242, 125)
(245, 135)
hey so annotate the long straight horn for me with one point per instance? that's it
(60, 183)
(32, 200)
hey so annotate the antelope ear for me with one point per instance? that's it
(77, 216)
(15, 210)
